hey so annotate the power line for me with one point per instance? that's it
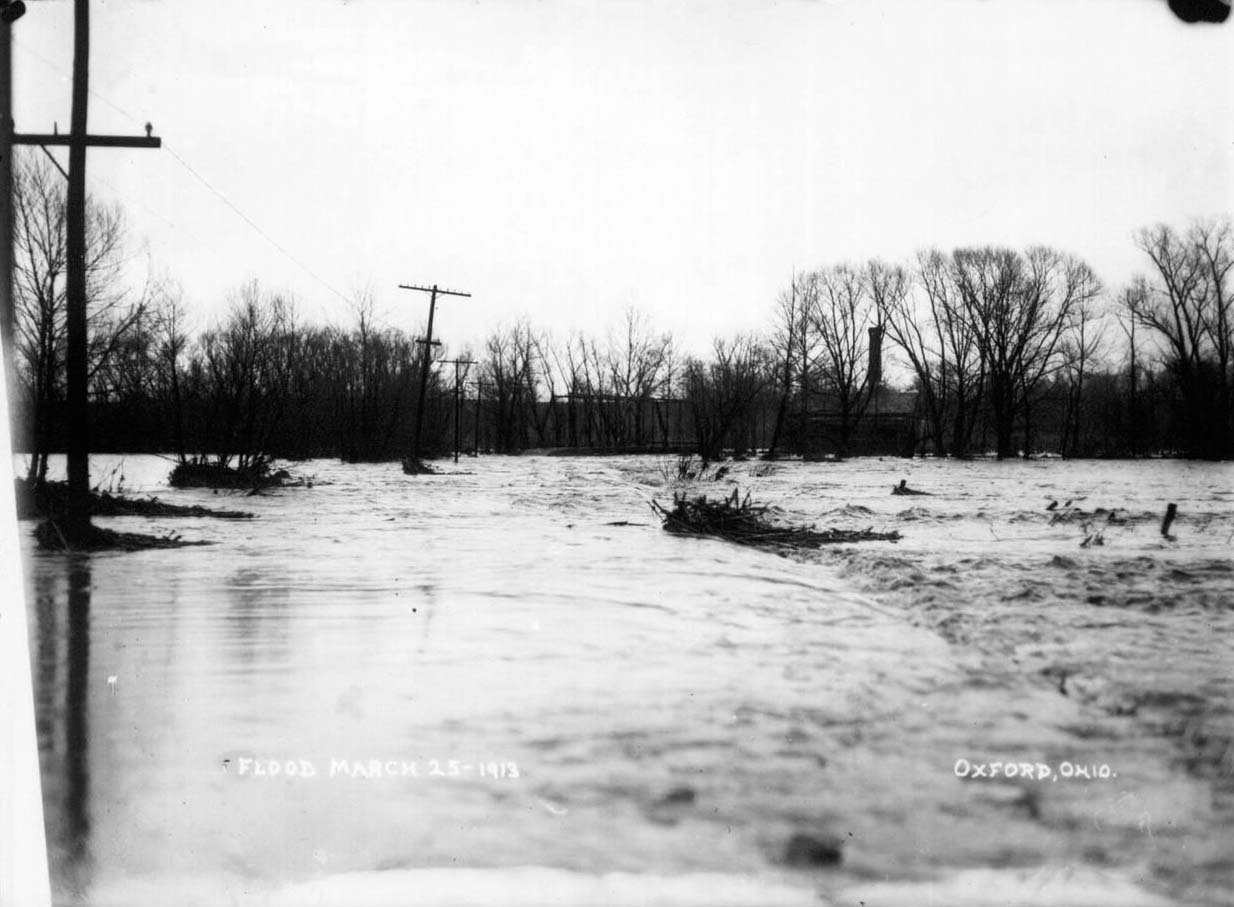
(248, 220)
(188, 167)
(52, 64)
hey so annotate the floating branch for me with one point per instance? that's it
(739, 520)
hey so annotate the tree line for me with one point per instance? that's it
(998, 350)
(979, 349)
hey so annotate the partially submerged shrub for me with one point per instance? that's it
(691, 468)
(413, 466)
(205, 473)
(739, 520)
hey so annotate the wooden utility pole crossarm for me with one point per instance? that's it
(90, 141)
(434, 289)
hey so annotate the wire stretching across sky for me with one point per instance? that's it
(218, 193)
(248, 220)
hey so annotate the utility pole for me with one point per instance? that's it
(434, 292)
(427, 359)
(456, 363)
(476, 436)
(76, 525)
(9, 13)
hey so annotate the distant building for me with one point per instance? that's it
(887, 426)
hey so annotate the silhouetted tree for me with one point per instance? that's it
(1018, 308)
(113, 314)
(1189, 307)
(791, 345)
(723, 394)
(842, 311)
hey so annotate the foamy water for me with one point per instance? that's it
(508, 685)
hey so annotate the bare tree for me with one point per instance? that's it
(918, 334)
(1081, 352)
(1188, 307)
(114, 311)
(1133, 298)
(930, 328)
(170, 335)
(988, 281)
(556, 377)
(841, 315)
(920, 331)
(586, 388)
(240, 378)
(508, 367)
(790, 342)
(723, 394)
(638, 363)
(374, 378)
(1018, 308)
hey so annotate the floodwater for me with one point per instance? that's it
(506, 684)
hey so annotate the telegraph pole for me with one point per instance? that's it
(456, 363)
(9, 13)
(475, 437)
(434, 292)
(429, 345)
(77, 517)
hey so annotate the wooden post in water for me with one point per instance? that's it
(1171, 511)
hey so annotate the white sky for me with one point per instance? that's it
(565, 160)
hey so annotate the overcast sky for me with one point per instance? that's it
(565, 160)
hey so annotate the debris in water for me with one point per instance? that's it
(679, 796)
(1092, 536)
(810, 850)
(413, 466)
(1171, 511)
(746, 523)
(903, 488)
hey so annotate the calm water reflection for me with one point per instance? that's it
(62, 669)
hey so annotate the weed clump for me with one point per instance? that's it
(739, 520)
(207, 473)
(413, 466)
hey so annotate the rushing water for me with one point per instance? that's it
(507, 684)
